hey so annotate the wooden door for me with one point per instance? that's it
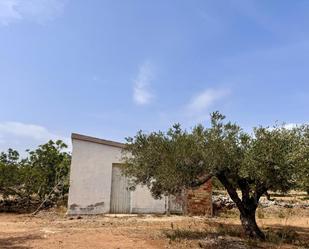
(120, 194)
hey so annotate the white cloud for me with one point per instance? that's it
(197, 110)
(199, 106)
(205, 99)
(34, 10)
(141, 89)
(290, 126)
(23, 136)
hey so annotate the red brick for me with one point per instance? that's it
(199, 201)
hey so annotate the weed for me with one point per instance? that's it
(232, 213)
(252, 243)
(179, 234)
(260, 214)
(305, 198)
(281, 214)
(227, 230)
(285, 235)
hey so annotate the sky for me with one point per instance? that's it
(108, 68)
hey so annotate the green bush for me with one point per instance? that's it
(43, 173)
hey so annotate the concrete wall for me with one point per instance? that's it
(143, 202)
(90, 181)
(90, 177)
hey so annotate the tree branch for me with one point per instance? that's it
(259, 191)
(231, 191)
(267, 195)
(201, 181)
(245, 188)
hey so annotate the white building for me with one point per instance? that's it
(97, 185)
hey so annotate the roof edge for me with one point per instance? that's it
(97, 140)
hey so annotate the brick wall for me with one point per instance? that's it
(199, 201)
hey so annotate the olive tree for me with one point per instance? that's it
(303, 158)
(250, 164)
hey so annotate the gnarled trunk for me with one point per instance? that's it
(249, 225)
(246, 206)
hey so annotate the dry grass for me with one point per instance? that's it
(284, 228)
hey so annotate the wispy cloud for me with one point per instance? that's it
(33, 10)
(141, 90)
(290, 126)
(200, 104)
(196, 110)
(24, 136)
(205, 99)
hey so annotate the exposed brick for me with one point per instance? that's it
(199, 201)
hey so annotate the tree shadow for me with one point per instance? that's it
(17, 242)
(292, 235)
(275, 234)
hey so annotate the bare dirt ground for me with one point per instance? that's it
(53, 230)
(285, 228)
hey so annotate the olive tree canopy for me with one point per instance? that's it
(268, 159)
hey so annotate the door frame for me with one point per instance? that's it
(119, 165)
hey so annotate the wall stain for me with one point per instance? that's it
(88, 208)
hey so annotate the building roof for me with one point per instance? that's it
(97, 140)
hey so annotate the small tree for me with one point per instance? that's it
(46, 167)
(31, 180)
(169, 162)
(9, 174)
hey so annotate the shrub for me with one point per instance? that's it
(43, 173)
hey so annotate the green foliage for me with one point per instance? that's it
(44, 170)
(9, 173)
(303, 160)
(164, 162)
(216, 184)
(269, 159)
(286, 235)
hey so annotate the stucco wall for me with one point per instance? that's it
(143, 202)
(90, 177)
(90, 181)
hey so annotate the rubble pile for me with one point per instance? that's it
(225, 202)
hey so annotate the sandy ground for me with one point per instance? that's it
(54, 230)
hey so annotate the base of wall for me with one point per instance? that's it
(97, 208)
(194, 202)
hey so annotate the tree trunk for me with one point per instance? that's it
(249, 225)
(246, 206)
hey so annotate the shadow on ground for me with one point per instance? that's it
(221, 235)
(17, 242)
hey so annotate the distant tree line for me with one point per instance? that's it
(41, 177)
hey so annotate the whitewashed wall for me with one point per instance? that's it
(90, 181)
(143, 202)
(90, 177)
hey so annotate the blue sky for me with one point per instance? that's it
(109, 68)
